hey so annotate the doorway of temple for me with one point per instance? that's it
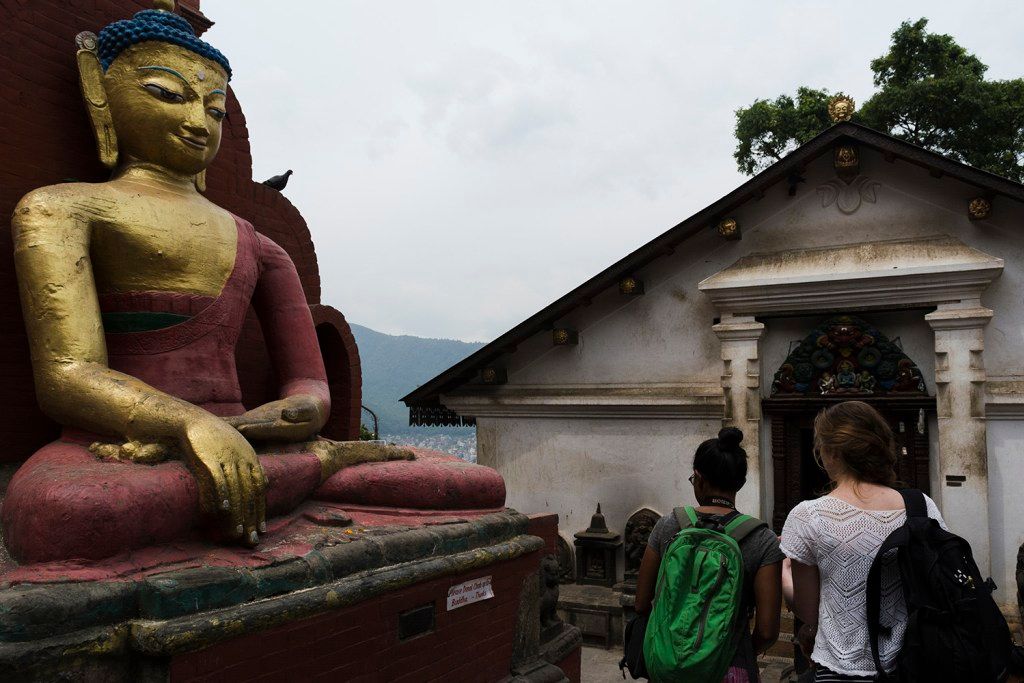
(843, 358)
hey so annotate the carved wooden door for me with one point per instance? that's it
(797, 475)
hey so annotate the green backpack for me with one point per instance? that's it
(696, 622)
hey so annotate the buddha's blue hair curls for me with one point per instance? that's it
(159, 25)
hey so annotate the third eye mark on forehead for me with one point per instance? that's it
(167, 69)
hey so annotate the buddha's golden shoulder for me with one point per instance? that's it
(84, 200)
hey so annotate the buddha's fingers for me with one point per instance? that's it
(259, 480)
(277, 430)
(249, 514)
(222, 502)
(149, 453)
(302, 413)
(235, 519)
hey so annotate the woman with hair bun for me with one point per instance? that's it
(832, 542)
(719, 471)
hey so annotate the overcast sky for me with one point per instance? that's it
(463, 164)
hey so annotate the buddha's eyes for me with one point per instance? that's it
(164, 94)
(217, 114)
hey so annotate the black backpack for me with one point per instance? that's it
(955, 631)
(633, 648)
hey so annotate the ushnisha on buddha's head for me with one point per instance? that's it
(155, 92)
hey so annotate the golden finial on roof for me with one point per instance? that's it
(165, 5)
(841, 107)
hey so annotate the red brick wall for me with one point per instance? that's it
(545, 526)
(360, 643)
(45, 139)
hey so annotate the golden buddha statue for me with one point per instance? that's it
(134, 292)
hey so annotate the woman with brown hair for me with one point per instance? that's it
(833, 540)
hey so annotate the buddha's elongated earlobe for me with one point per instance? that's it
(90, 76)
(201, 181)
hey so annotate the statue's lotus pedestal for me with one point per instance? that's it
(334, 592)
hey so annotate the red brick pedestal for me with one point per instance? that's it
(362, 642)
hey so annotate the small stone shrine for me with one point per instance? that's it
(182, 498)
(597, 552)
(591, 604)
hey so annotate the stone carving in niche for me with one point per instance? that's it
(638, 530)
(848, 197)
(846, 356)
(566, 562)
(549, 579)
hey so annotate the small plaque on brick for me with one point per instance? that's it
(467, 593)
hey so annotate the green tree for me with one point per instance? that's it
(768, 130)
(930, 91)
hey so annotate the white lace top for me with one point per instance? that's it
(842, 541)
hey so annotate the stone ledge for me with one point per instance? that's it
(42, 610)
(173, 636)
(696, 400)
(164, 638)
(854, 277)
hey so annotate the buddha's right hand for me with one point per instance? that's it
(232, 484)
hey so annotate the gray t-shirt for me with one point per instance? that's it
(759, 548)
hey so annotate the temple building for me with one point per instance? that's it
(860, 266)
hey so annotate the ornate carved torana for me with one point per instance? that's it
(846, 356)
(843, 357)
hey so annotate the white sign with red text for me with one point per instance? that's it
(469, 592)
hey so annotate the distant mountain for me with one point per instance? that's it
(395, 365)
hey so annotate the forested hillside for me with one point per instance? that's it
(395, 365)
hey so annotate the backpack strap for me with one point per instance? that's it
(686, 516)
(741, 526)
(915, 503)
(897, 539)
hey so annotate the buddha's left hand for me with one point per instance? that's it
(295, 418)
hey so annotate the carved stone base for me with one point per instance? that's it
(595, 610)
(372, 601)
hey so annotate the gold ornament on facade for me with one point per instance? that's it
(630, 286)
(979, 208)
(729, 228)
(846, 161)
(846, 157)
(841, 108)
(564, 337)
(494, 375)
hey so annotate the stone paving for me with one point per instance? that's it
(602, 666)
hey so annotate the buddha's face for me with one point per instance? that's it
(167, 105)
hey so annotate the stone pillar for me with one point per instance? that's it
(963, 445)
(741, 382)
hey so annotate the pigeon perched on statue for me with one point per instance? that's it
(278, 182)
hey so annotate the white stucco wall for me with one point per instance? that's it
(1006, 509)
(568, 466)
